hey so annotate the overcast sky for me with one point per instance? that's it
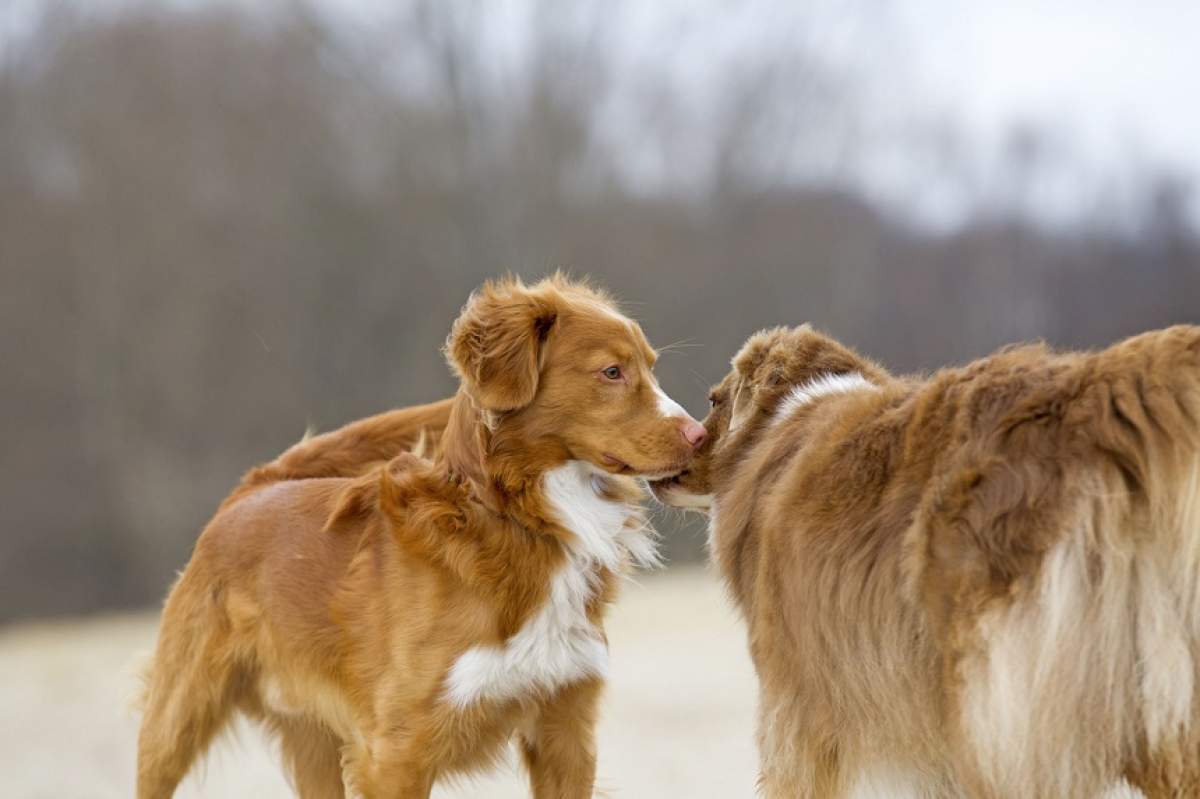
(1117, 80)
(1119, 74)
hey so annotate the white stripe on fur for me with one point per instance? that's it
(667, 406)
(818, 387)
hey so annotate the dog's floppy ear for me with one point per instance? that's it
(496, 343)
(754, 374)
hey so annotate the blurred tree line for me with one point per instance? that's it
(220, 225)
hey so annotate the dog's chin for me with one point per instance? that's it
(670, 492)
(673, 497)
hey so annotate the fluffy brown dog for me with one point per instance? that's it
(404, 626)
(983, 584)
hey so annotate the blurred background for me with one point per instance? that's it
(222, 222)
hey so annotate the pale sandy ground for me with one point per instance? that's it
(678, 719)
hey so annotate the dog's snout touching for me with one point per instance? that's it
(694, 433)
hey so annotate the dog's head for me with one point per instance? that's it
(773, 368)
(557, 371)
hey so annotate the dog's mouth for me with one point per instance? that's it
(670, 481)
(617, 466)
(613, 462)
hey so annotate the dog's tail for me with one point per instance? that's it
(355, 449)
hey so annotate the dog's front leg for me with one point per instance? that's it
(390, 768)
(560, 748)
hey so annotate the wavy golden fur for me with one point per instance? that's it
(985, 583)
(404, 625)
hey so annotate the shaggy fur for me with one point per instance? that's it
(402, 626)
(985, 583)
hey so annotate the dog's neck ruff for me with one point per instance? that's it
(799, 397)
(558, 644)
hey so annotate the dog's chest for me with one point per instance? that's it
(558, 645)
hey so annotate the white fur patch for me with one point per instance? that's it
(573, 490)
(1006, 688)
(1163, 641)
(555, 647)
(667, 406)
(818, 387)
(558, 645)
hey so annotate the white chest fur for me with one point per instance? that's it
(558, 645)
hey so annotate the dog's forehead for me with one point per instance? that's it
(599, 325)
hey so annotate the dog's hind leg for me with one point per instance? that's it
(313, 756)
(796, 763)
(811, 775)
(191, 690)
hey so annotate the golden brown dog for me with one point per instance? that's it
(984, 584)
(403, 626)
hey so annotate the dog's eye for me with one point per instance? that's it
(612, 373)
